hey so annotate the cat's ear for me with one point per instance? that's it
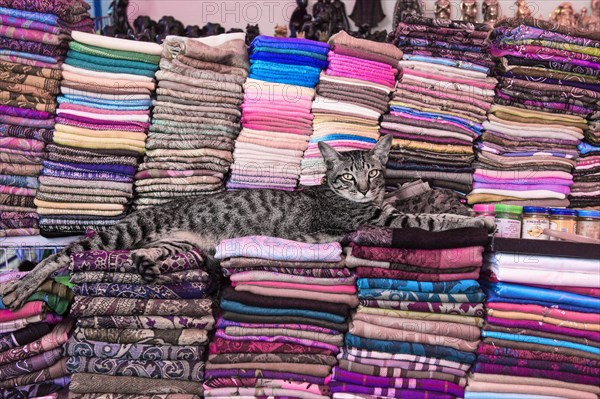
(381, 150)
(330, 155)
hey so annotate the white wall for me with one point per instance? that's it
(268, 13)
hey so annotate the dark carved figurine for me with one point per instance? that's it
(405, 8)
(329, 17)
(299, 17)
(251, 32)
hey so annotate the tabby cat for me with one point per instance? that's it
(353, 196)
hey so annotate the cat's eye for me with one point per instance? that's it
(347, 176)
(374, 173)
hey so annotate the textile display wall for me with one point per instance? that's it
(196, 118)
(283, 318)
(546, 90)
(32, 363)
(440, 103)
(276, 112)
(33, 43)
(134, 338)
(417, 328)
(100, 134)
(542, 331)
(352, 94)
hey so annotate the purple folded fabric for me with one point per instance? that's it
(87, 175)
(522, 181)
(550, 328)
(24, 113)
(293, 340)
(399, 383)
(186, 290)
(341, 387)
(275, 375)
(27, 122)
(78, 167)
(116, 124)
(524, 187)
(487, 368)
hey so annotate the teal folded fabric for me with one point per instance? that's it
(395, 295)
(540, 341)
(106, 68)
(298, 75)
(146, 103)
(517, 291)
(409, 348)
(123, 107)
(443, 287)
(111, 61)
(290, 51)
(244, 309)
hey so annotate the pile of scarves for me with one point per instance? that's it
(542, 331)
(196, 118)
(352, 94)
(32, 363)
(440, 103)
(277, 121)
(548, 85)
(134, 338)
(417, 328)
(282, 321)
(33, 42)
(99, 136)
(585, 191)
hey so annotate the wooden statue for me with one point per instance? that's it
(281, 31)
(592, 21)
(564, 14)
(491, 11)
(442, 9)
(523, 9)
(469, 10)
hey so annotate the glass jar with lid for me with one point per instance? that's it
(563, 220)
(508, 221)
(487, 211)
(535, 220)
(588, 224)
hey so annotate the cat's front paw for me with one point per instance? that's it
(145, 261)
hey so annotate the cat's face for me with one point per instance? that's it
(357, 175)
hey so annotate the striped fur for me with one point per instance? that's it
(319, 214)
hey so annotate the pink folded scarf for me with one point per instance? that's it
(554, 313)
(29, 309)
(434, 76)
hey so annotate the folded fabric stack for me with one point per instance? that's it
(31, 338)
(282, 320)
(134, 338)
(585, 191)
(548, 84)
(542, 331)
(33, 42)
(440, 103)
(100, 133)
(196, 118)
(277, 121)
(417, 328)
(352, 94)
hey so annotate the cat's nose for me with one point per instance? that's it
(363, 191)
